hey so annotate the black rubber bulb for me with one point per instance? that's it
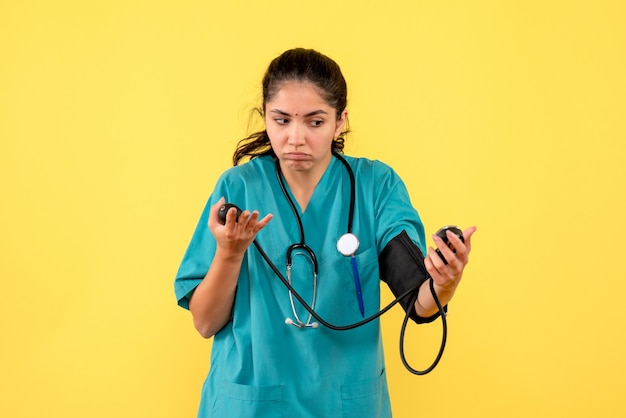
(223, 210)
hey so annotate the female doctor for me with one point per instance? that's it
(300, 196)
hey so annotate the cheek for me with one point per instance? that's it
(271, 133)
(333, 132)
(277, 138)
(323, 141)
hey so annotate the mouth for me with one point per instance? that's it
(298, 156)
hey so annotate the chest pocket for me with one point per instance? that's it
(338, 300)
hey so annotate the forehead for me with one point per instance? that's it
(298, 94)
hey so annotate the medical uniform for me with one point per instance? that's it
(262, 367)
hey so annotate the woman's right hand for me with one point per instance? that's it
(235, 236)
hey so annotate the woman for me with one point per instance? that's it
(261, 364)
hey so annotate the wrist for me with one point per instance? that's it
(226, 255)
(446, 291)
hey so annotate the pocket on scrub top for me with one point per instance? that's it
(243, 401)
(367, 265)
(365, 399)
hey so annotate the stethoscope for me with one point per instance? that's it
(347, 245)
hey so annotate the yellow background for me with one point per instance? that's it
(116, 118)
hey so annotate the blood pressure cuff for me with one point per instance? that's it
(401, 266)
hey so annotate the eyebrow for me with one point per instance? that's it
(313, 113)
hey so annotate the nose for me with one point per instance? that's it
(296, 134)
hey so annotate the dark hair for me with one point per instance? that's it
(301, 65)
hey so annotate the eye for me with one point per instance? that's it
(281, 121)
(316, 122)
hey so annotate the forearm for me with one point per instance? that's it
(425, 305)
(212, 302)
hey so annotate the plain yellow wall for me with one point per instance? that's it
(116, 118)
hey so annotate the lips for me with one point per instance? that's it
(296, 156)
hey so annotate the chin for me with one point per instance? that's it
(298, 165)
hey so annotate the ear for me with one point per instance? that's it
(341, 123)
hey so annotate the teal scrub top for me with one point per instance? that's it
(262, 367)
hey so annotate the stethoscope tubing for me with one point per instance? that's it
(312, 311)
(328, 325)
(369, 319)
(444, 334)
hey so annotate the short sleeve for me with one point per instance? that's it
(196, 260)
(394, 211)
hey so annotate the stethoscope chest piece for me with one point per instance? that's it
(348, 244)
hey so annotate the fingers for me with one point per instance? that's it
(263, 222)
(239, 228)
(236, 227)
(458, 249)
(467, 235)
(250, 223)
(457, 257)
(452, 252)
(440, 270)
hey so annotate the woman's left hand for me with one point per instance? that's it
(447, 276)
